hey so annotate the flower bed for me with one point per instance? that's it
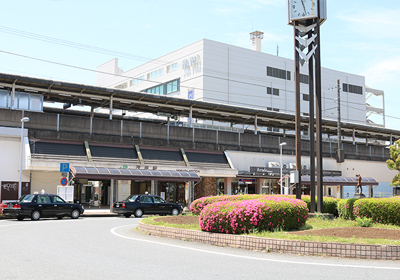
(202, 202)
(380, 210)
(329, 203)
(266, 213)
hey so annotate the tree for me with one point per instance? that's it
(394, 162)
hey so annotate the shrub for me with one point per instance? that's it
(329, 204)
(2, 206)
(199, 204)
(379, 210)
(264, 213)
(345, 208)
(364, 222)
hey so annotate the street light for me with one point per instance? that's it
(280, 146)
(23, 120)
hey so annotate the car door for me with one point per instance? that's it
(61, 208)
(161, 206)
(146, 203)
(45, 205)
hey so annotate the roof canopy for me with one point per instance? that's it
(100, 173)
(95, 96)
(341, 181)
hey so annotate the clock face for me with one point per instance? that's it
(303, 9)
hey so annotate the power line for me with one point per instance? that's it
(135, 57)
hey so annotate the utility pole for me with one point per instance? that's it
(339, 128)
(340, 154)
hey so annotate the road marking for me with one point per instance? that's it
(113, 231)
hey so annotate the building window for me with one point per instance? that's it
(165, 88)
(137, 81)
(172, 86)
(306, 97)
(278, 73)
(172, 67)
(156, 90)
(122, 86)
(155, 74)
(352, 89)
(273, 91)
(304, 79)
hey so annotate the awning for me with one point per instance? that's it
(101, 173)
(341, 181)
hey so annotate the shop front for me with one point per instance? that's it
(112, 184)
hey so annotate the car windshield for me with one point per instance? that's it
(26, 198)
(131, 198)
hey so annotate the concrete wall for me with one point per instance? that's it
(45, 180)
(10, 147)
(123, 189)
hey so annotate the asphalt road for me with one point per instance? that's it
(110, 248)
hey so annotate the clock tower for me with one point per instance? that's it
(306, 16)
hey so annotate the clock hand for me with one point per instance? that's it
(304, 7)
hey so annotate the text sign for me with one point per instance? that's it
(64, 167)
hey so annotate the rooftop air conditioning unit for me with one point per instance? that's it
(292, 165)
(304, 167)
(284, 166)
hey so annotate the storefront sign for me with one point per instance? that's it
(188, 170)
(247, 180)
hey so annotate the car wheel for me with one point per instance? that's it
(138, 213)
(175, 212)
(20, 218)
(75, 214)
(127, 215)
(35, 215)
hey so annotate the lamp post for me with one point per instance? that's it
(23, 120)
(280, 146)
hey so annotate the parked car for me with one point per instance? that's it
(35, 206)
(139, 205)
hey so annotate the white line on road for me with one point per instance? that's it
(113, 231)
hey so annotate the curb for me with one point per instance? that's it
(309, 248)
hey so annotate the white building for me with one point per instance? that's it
(215, 72)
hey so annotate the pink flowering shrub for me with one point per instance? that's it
(345, 208)
(2, 206)
(202, 202)
(329, 203)
(264, 213)
(380, 210)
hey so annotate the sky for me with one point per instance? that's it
(67, 39)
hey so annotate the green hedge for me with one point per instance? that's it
(329, 204)
(380, 210)
(345, 208)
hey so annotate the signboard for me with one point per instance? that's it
(64, 167)
(247, 180)
(9, 190)
(64, 181)
(190, 94)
